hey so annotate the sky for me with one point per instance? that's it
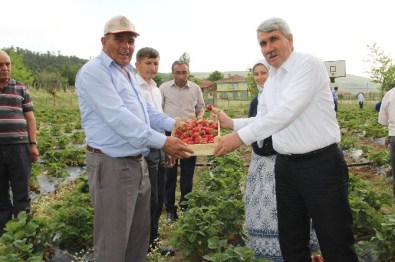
(217, 34)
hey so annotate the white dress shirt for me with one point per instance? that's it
(296, 108)
(150, 92)
(387, 111)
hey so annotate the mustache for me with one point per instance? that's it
(4, 80)
(271, 54)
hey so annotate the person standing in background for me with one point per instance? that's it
(18, 143)
(311, 173)
(360, 100)
(387, 118)
(335, 97)
(120, 127)
(147, 65)
(181, 98)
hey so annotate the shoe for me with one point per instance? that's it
(167, 251)
(171, 217)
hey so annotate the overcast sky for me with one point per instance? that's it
(217, 34)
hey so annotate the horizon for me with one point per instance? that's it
(218, 35)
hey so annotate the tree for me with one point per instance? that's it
(185, 58)
(382, 71)
(216, 75)
(158, 80)
(52, 82)
(19, 71)
(194, 79)
(252, 89)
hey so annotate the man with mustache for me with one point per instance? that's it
(120, 128)
(310, 171)
(18, 143)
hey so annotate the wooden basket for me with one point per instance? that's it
(202, 149)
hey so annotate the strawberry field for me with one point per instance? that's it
(211, 229)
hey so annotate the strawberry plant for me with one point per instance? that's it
(385, 238)
(23, 240)
(216, 209)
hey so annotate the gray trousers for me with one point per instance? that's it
(120, 190)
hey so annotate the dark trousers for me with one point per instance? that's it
(360, 104)
(316, 187)
(15, 170)
(156, 167)
(392, 157)
(187, 167)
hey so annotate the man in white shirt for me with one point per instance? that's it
(147, 65)
(360, 100)
(387, 118)
(311, 173)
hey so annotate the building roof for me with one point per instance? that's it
(204, 83)
(231, 79)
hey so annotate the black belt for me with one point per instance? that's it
(309, 154)
(98, 151)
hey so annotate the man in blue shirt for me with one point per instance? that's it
(120, 127)
(335, 97)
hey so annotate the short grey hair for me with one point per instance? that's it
(274, 24)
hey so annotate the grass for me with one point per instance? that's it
(44, 101)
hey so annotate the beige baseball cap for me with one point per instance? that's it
(119, 24)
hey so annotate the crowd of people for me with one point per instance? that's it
(296, 197)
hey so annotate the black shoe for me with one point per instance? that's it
(167, 251)
(171, 217)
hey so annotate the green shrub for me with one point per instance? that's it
(23, 240)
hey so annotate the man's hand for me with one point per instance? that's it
(170, 161)
(176, 148)
(33, 152)
(224, 120)
(227, 144)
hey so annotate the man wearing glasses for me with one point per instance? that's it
(181, 98)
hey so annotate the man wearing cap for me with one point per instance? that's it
(120, 127)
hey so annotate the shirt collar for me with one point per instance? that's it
(108, 61)
(285, 67)
(141, 81)
(186, 85)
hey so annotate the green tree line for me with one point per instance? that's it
(44, 70)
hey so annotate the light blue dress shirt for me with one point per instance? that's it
(115, 116)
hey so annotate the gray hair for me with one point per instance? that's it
(179, 62)
(274, 24)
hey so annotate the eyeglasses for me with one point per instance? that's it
(181, 72)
